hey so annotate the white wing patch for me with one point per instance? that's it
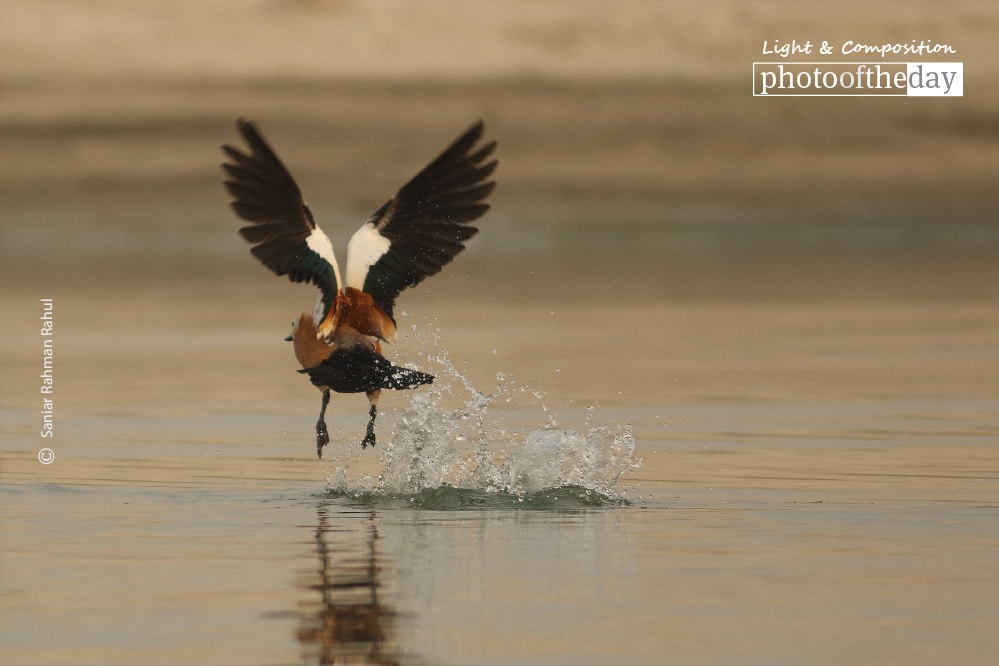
(365, 248)
(320, 243)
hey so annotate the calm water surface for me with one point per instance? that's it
(815, 546)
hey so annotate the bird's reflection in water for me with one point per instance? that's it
(348, 624)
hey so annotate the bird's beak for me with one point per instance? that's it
(288, 339)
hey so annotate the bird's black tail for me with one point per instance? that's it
(404, 378)
(359, 369)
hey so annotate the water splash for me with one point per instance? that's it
(464, 457)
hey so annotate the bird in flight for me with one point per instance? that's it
(412, 236)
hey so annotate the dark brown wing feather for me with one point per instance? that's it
(283, 233)
(427, 221)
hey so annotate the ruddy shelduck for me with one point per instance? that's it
(411, 237)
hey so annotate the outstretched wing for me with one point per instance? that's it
(284, 235)
(425, 224)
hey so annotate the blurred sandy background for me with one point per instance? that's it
(636, 171)
(613, 112)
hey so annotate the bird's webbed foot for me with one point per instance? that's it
(322, 437)
(369, 436)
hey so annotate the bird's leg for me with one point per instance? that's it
(369, 437)
(322, 435)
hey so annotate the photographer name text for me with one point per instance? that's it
(47, 390)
